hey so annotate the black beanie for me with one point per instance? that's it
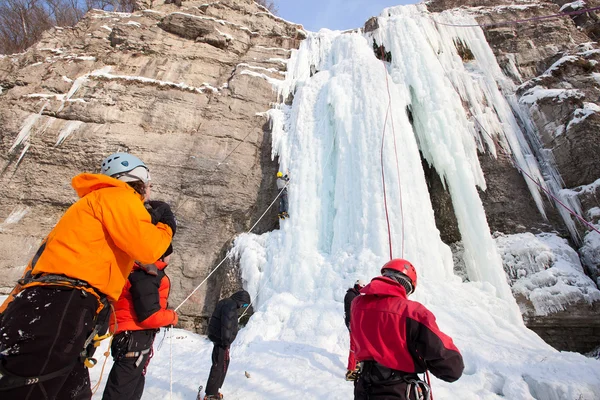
(242, 297)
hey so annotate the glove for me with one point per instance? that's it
(175, 319)
(161, 212)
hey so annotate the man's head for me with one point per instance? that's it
(403, 272)
(128, 168)
(242, 298)
(279, 174)
(359, 284)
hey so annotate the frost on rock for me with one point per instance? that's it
(546, 271)
(14, 217)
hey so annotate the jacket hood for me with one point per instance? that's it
(384, 286)
(86, 183)
(242, 297)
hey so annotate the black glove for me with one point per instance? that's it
(161, 212)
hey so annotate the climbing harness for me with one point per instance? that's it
(374, 373)
(9, 380)
(521, 21)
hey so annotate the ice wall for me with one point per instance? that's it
(330, 139)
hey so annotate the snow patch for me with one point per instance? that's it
(575, 5)
(538, 93)
(545, 270)
(581, 114)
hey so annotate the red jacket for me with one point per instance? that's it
(401, 334)
(143, 302)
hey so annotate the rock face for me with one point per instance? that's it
(554, 63)
(185, 89)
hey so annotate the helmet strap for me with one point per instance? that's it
(401, 278)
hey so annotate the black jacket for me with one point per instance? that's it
(145, 292)
(351, 294)
(223, 325)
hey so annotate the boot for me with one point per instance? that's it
(281, 215)
(213, 396)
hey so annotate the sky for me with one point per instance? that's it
(333, 14)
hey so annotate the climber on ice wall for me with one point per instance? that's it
(282, 184)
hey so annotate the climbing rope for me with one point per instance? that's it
(521, 21)
(171, 363)
(229, 253)
(387, 113)
(107, 352)
(211, 173)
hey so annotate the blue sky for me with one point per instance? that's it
(333, 14)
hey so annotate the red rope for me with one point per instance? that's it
(397, 166)
(520, 21)
(429, 383)
(572, 212)
(387, 215)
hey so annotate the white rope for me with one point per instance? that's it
(171, 364)
(229, 253)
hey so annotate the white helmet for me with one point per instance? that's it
(125, 167)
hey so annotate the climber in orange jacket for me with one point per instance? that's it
(140, 311)
(61, 303)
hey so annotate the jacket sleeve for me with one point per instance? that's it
(130, 226)
(347, 303)
(432, 349)
(162, 316)
(159, 319)
(229, 325)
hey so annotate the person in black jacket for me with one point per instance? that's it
(222, 330)
(351, 294)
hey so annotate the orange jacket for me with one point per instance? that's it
(143, 302)
(99, 237)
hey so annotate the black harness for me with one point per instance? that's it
(8, 380)
(375, 374)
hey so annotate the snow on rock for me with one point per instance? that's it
(575, 5)
(538, 93)
(581, 114)
(545, 270)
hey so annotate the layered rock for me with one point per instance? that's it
(185, 89)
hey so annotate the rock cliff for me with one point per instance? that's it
(553, 63)
(185, 89)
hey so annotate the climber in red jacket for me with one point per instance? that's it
(139, 313)
(396, 338)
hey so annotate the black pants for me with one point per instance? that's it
(44, 330)
(283, 202)
(220, 363)
(127, 377)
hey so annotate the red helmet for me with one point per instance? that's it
(404, 267)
